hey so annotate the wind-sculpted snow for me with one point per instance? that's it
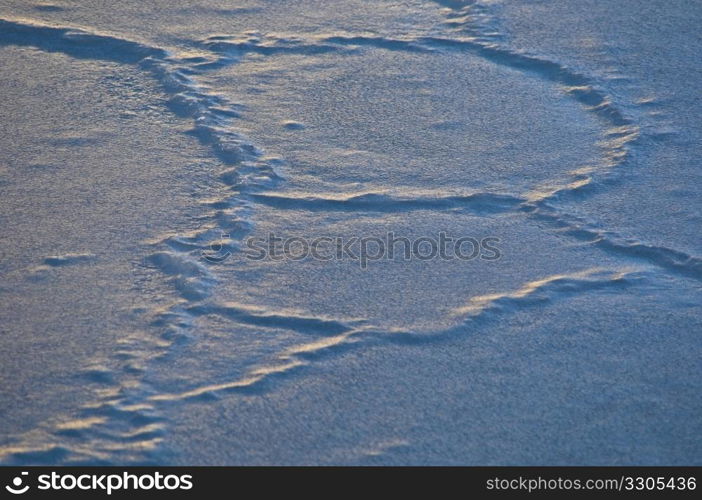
(75, 42)
(126, 423)
(479, 203)
(618, 135)
(121, 426)
(338, 337)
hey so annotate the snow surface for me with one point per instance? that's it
(139, 136)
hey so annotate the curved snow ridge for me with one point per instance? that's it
(540, 292)
(259, 380)
(293, 360)
(616, 146)
(493, 204)
(619, 131)
(236, 46)
(574, 84)
(76, 42)
(116, 429)
(660, 256)
(232, 48)
(543, 290)
(289, 320)
(191, 277)
(478, 19)
(211, 114)
(478, 203)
